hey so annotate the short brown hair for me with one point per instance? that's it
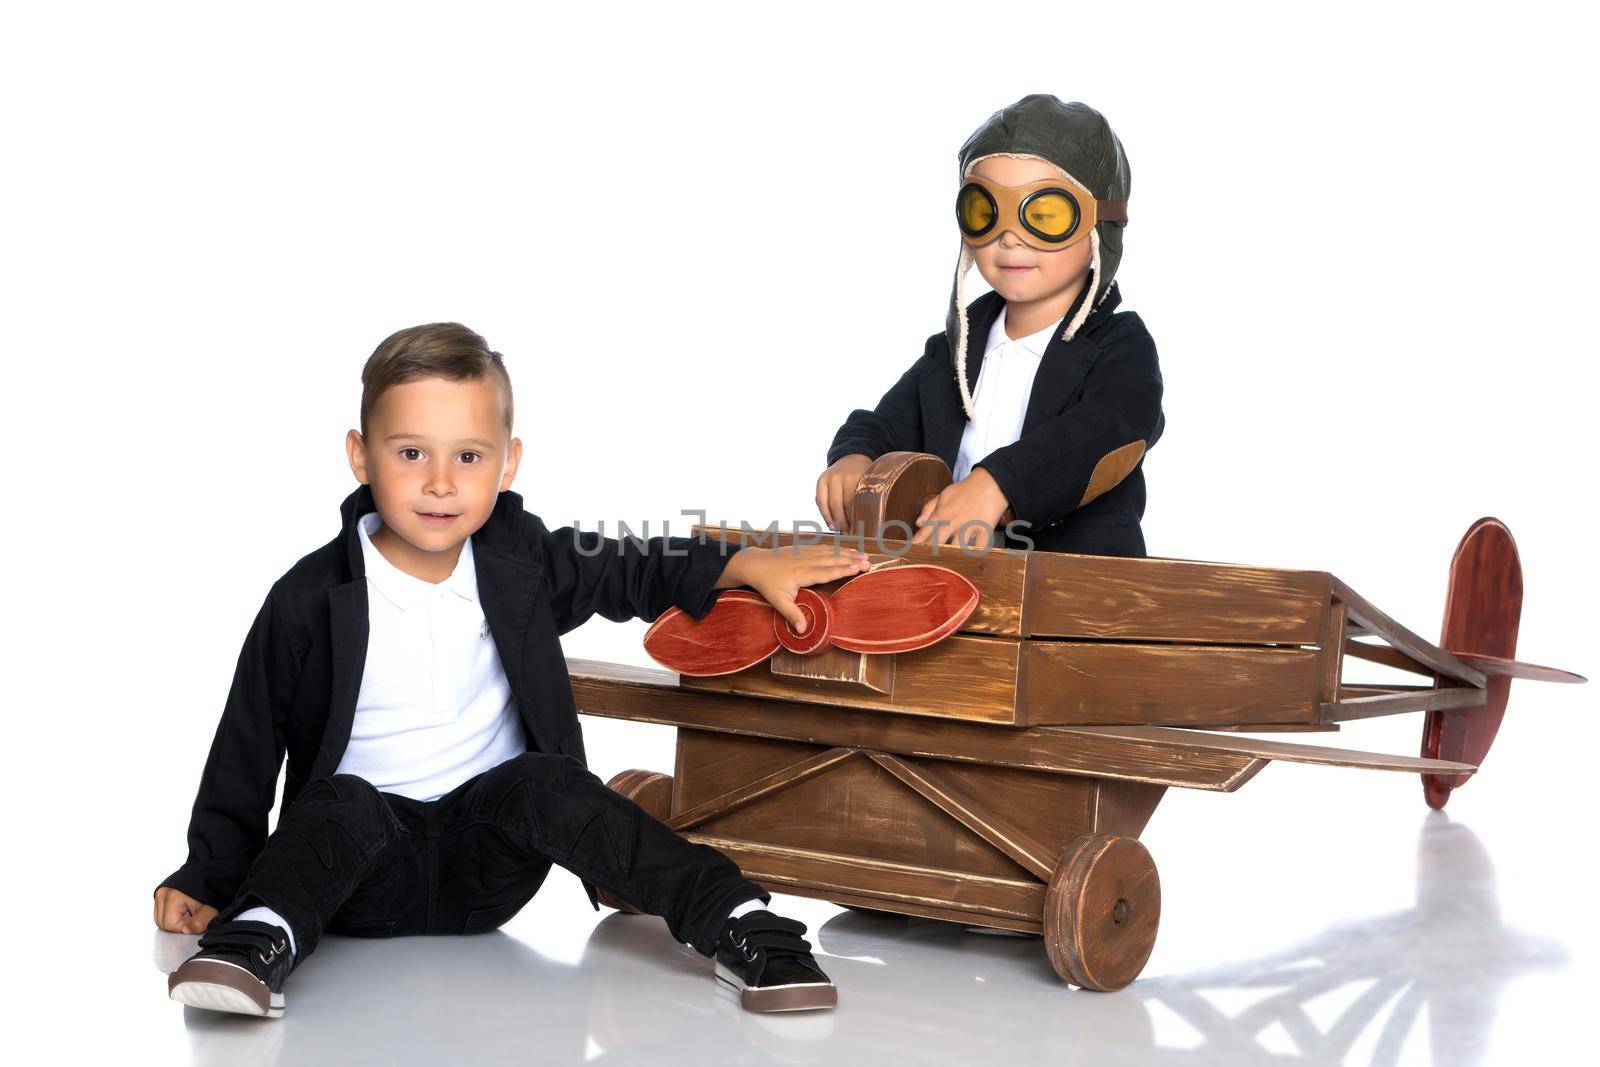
(438, 350)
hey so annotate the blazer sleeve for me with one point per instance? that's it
(228, 825)
(1092, 444)
(895, 425)
(587, 574)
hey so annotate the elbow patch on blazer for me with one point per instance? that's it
(1112, 468)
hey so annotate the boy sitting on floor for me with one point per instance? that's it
(411, 670)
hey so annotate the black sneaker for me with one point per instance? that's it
(764, 958)
(240, 967)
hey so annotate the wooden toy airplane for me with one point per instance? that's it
(982, 736)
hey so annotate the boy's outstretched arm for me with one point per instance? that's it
(587, 574)
(228, 825)
(778, 574)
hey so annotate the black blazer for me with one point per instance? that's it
(1092, 395)
(295, 688)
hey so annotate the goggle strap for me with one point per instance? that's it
(1111, 210)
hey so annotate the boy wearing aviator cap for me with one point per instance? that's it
(1050, 439)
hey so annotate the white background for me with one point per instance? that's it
(1362, 238)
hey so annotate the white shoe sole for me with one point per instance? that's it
(218, 986)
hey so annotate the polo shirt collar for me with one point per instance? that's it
(404, 590)
(1035, 343)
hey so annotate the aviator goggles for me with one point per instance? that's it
(1049, 214)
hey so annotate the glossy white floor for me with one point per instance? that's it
(1318, 916)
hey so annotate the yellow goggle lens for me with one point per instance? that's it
(1051, 214)
(974, 210)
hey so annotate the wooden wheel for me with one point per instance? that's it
(1101, 911)
(652, 791)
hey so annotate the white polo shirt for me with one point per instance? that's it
(1005, 381)
(435, 708)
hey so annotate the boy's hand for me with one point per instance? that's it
(179, 914)
(779, 573)
(836, 488)
(975, 499)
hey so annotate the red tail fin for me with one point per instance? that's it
(1481, 612)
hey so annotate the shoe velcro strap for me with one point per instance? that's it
(760, 921)
(777, 941)
(250, 935)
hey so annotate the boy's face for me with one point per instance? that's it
(1019, 272)
(437, 454)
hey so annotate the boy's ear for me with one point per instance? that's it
(513, 460)
(357, 451)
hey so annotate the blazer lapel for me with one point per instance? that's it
(348, 629)
(507, 590)
(1064, 364)
(943, 438)
(1060, 371)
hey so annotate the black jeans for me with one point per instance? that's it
(350, 859)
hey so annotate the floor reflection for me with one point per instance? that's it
(1451, 955)
(912, 991)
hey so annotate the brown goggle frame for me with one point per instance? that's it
(1009, 204)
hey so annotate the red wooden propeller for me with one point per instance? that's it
(897, 609)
